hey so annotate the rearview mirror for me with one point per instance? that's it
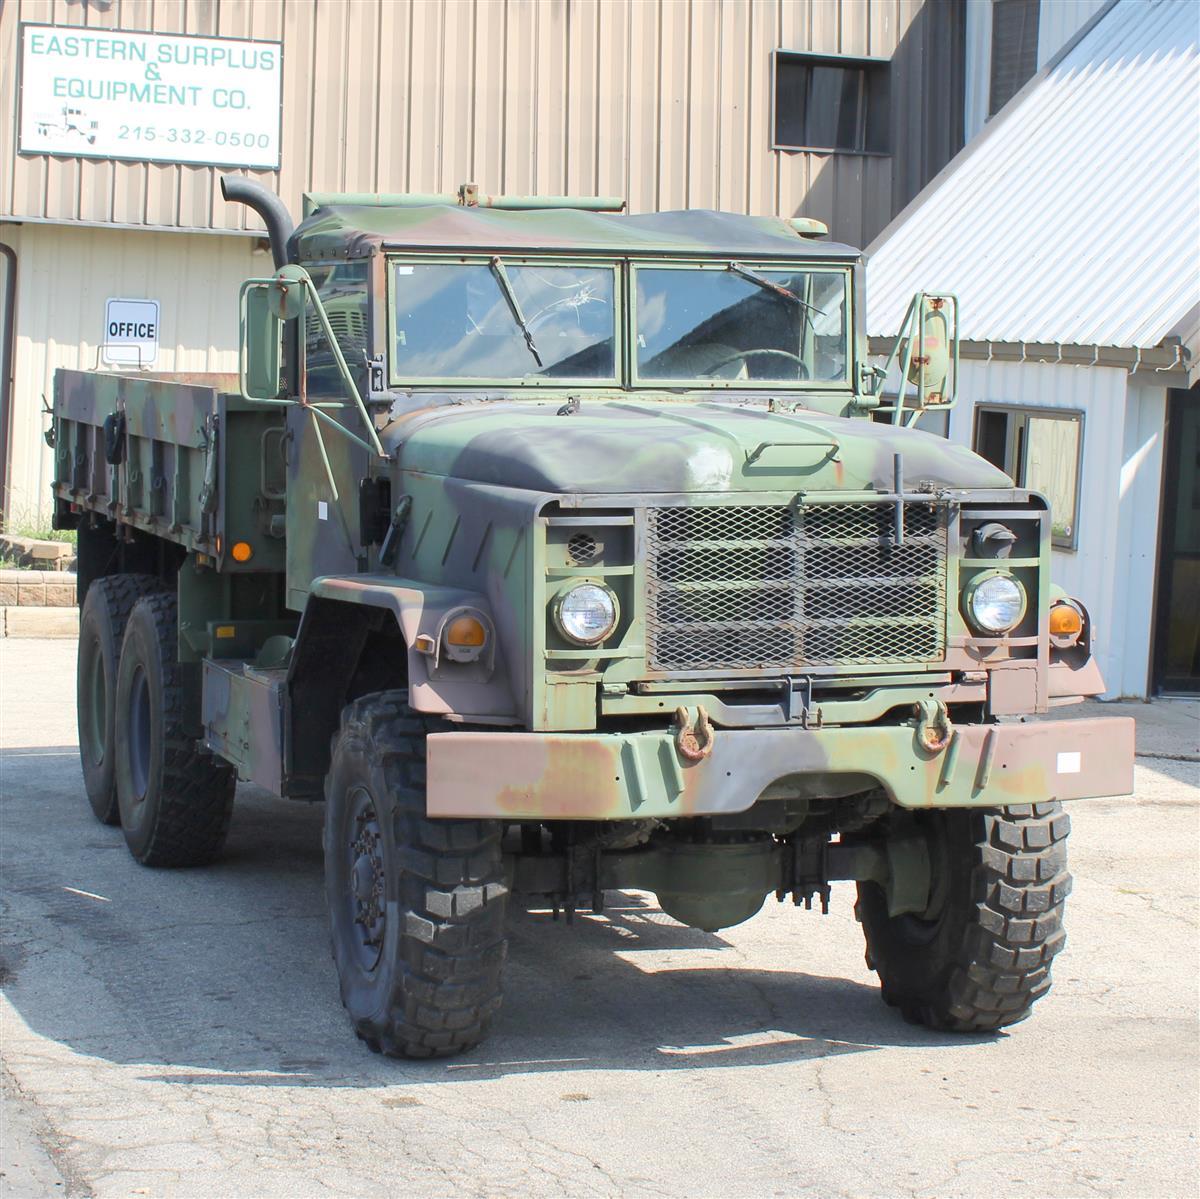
(926, 356)
(929, 368)
(261, 341)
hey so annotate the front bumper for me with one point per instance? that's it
(635, 776)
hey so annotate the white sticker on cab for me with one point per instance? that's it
(1070, 763)
(323, 514)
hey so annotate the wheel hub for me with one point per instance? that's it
(367, 876)
(363, 878)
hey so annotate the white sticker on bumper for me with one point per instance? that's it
(1069, 763)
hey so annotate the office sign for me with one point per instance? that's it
(106, 93)
(130, 332)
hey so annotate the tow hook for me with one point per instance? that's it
(694, 742)
(934, 730)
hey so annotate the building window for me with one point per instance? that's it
(832, 104)
(1039, 448)
(1014, 49)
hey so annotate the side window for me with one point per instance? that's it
(343, 291)
(824, 103)
(1014, 49)
(1039, 448)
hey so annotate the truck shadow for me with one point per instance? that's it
(223, 976)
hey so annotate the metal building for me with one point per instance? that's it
(1069, 229)
(838, 109)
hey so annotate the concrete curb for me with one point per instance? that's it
(39, 622)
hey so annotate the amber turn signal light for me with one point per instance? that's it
(466, 631)
(242, 551)
(1065, 621)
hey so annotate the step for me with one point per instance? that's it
(39, 622)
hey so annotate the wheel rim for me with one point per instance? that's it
(139, 733)
(94, 717)
(365, 878)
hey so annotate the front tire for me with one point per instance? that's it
(416, 905)
(101, 631)
(979, 957)
(176, 799)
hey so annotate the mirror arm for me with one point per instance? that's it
(297, 275)
(347, 378)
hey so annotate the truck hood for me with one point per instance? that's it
(648, 446)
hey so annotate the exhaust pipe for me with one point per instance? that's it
(268, 205)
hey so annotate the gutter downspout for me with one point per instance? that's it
(7, 348)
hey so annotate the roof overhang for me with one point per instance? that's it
(1166, 365)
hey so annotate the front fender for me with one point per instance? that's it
(462, 690)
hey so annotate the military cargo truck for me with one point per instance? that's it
(561, 551)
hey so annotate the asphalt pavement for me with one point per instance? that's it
(178, 1033)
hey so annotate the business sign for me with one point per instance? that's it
(130, 332)
(105, 93)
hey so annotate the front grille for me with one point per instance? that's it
(782, 588)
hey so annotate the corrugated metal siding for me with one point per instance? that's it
(1061, 20)
(1112, 571)
(1140, 492)
(1058, 22)
(666, 102)
(1075, 217)
(194, 278)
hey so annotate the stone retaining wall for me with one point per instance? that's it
(37, 589)
(37, 603)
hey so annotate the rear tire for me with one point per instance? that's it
(416, 905)
(980, 957)
(101, 631)
(176, 800)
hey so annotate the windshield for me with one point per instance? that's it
(502, 320)
(742, 322)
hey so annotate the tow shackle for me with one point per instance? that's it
(694, 742)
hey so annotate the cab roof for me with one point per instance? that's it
(354, 231)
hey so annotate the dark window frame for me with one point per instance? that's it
(999, 7)
(862, 63)
(1016, 451)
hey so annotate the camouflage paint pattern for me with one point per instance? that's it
(189, 468)
(243, 719)
(498, 477)
(548, 776)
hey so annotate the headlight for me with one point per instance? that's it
(586, 613)
(995, 603)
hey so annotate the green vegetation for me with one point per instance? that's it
(28, 522)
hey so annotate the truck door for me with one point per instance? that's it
(324, 467)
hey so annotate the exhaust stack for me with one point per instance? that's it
(268, 205)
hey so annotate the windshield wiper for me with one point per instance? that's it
(746, 273)
(514, 306)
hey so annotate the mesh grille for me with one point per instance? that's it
(761, 588)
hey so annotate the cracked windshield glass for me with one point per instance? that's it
(742, 323)
(502, 320)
